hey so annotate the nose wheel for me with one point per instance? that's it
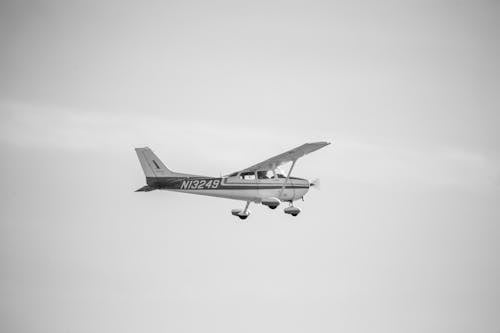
(292, 210)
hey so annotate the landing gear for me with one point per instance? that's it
(271, 202)
(242, 214)
(292, 210)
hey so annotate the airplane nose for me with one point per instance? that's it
(315, 183)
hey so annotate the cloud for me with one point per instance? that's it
(67, 128)
(397, 165)
(352, 159)
(70, 129)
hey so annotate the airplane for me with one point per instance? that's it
(262, 183)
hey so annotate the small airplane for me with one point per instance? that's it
(262, 183)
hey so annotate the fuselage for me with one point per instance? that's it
(236, 188)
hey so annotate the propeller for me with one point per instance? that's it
(315, 183)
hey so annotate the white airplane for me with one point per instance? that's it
(261, 183)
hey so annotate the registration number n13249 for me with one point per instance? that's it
(200, 184)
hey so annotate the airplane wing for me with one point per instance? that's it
(286, 157)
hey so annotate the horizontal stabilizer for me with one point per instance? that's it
(145, 189)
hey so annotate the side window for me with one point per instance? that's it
(247, 176)
(264, 174)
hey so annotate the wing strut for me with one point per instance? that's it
(287, 176)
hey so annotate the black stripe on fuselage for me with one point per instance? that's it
(198, 183)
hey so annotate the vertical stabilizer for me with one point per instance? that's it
(151, 164)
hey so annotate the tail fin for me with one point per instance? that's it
(151, 164)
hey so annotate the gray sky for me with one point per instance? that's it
(402, 237)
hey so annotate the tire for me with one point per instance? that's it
(243, 217)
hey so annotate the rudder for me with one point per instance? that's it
(151, 164)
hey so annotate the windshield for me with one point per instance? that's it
(270, 174)
(265, 174)
(280, 173)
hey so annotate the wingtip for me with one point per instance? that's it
(323, 143)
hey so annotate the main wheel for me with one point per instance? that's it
(243, 217)
(295, 214)
(273, 207)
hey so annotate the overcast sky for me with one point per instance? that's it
(402, 237)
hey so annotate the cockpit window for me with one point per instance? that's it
(262, 175)
(247, 175)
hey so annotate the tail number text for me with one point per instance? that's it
(200, 184)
